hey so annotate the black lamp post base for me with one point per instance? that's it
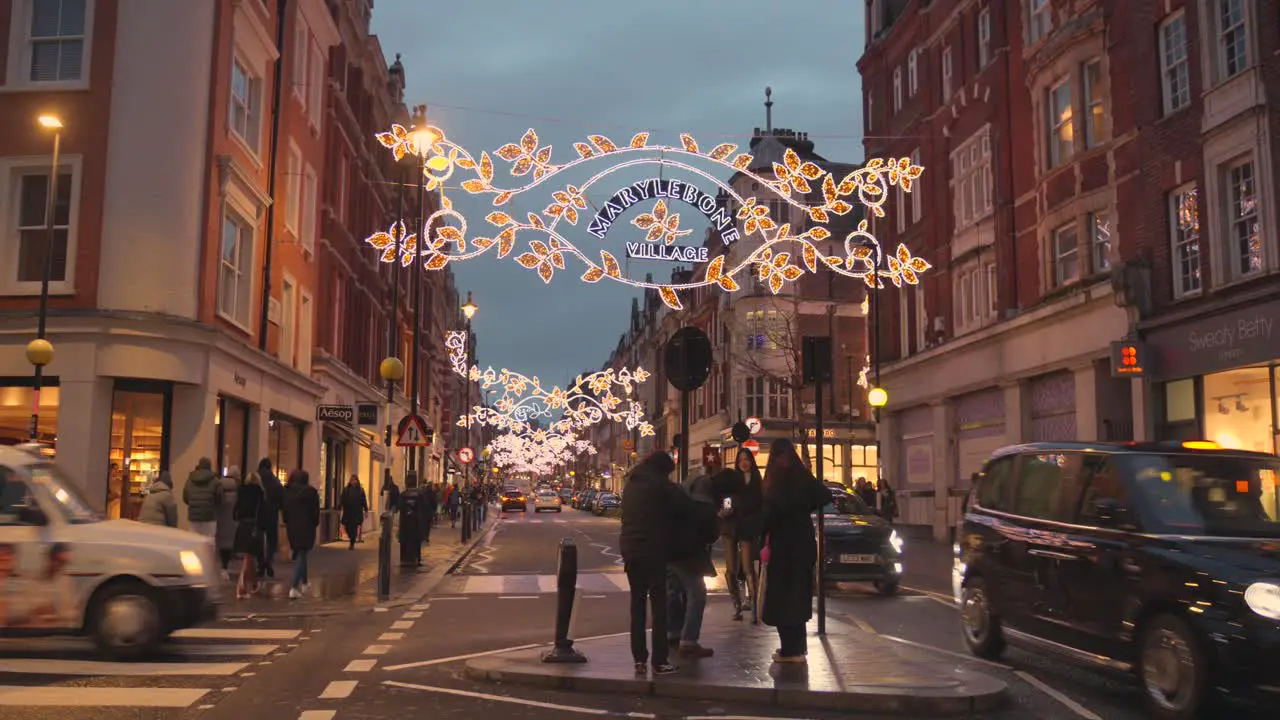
(564, 655)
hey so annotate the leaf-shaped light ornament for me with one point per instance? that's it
(639, 140)
(510, 152)
(474, 186)
(528, 260)
(611, 267)
(742, 162)
(602, 143)
(502, 198)
(715, 269)
(688, 143)
(670, 298)
(522, 166)
(486, 168)
(722, 151)
(437, 262)
(810, 256)
(584, 150)
(594, 274)
(506, 240)
(529, 141)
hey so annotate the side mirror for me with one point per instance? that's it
(32, 515)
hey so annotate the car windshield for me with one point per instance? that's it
(63, 494)
(846, 504)
(1209, 494)
(513, 493)
(546, 494)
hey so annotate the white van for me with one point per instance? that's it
(65, 570)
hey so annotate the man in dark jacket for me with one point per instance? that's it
(689, 563)
(649, 503)
(271, 514)
(201, 495)
(301, 518)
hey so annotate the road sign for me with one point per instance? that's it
(687, 359)
(752, 445)
(335, 413)
(710, 456)
(414, 432)
(754, 425)
(466, 455)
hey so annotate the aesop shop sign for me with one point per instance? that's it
(1244, 336)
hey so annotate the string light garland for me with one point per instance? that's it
(533, 455)
(784, 255)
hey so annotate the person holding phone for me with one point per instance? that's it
(740, 513)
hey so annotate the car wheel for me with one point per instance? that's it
(1173, 669)
(982, 630)
(124, 621)
(886, 587)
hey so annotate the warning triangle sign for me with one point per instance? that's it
(413, 432)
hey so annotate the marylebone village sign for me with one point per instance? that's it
(778, 253)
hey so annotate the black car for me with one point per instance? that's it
(514, 500)
(1160, 559)
(860, 545)
(605, 503)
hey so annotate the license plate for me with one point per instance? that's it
(859, 559)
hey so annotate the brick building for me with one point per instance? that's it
(1064, 144)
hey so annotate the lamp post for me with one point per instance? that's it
(390, 370)
(469, 309)
(40, 350)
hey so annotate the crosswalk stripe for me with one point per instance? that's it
(63, 696)
(234, 634)
(547, 583)
(42, 666)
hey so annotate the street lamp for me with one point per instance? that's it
(40, 350)
(877, 397)
(469, 309)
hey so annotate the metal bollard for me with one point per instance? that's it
(566, 591)
(384, 555)
(466, 521)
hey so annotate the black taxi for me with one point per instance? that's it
(1160, 559)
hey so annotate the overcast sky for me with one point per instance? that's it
(490, 69)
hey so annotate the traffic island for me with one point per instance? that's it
(848, 670)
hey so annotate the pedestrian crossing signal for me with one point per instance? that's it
(1127, 359)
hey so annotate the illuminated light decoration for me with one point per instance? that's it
(863, 382)
(535, 455)
(590, 400)
(783, 255)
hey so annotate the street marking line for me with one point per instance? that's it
(339, 689)
(450, 597)
(387, 637)
(411, 616)
(600, 637)
(1071, 705)
(360, 666)
(402, 625)
(377, 650)
(220, 650)
(950, 653)
(518, 597)
(78, 645)
(234, 634)
(517, 701)
(317, 715)
(62, 696)
(593, 597)
(456, 658)
(619, 581)
(421, 607)
(930, 593)
(41, 666)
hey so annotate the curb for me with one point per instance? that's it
(428, 583)
(913, 702)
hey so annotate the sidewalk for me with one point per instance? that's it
(343, 580)
(848, 670)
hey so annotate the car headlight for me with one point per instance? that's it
(191, 562)
(1264, 599)
(896, 541)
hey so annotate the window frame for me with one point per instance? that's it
(1174, 98)
(917, 207)
(1220, 45)
(18, 70)
(1177, 240)
(293, 190)
(947, 73)
(1059, 153)
(252, 106)
(317, 73)
(984, 37)
(301, 39)
(904, 323)
(971, 180)
(1095, 125)
(913, 72)
(1060, 279)
(249, 228)
(1233, 221)
(1099, 227)
(310, 208)
(897, 89)
(11, 172)
(1039, 14)
(922, 318)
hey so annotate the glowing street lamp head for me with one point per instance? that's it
(469, 308)
(877, 397)
(423, 138)
(51, 122)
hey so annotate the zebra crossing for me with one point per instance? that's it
(530, 586)
(196, 666)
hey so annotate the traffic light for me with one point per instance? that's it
(1128, 359)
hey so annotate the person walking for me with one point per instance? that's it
(159, 507)
(274, 491)
(226, 532)
(301, 519)
(200, 495)
(355, 507)
(648, 505)
(251, 505)
(791, 494)
(694, 528)
(742, 534)
(453, 499)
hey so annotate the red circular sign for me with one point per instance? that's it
(466, 455)
(752, 445)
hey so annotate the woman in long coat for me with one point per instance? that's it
(354, 507)
(251, 505)
(791, 494)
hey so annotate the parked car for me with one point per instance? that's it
(587, 500)
(125, 584)
(1160, 559)
(860, 545)
(607, 502)
(566, 496)
(546, 500)
(514, 500)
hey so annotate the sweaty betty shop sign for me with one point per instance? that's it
(1246, 336)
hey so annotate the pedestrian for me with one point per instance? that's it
(355, 507)
(791, 494)
(200, 495)
(648, 505)
(391, 491)
(454, 503)
(251, 505)
(694, 527)
(301, 519)
(159, 507)
(867, 492)
(742, 540)
(274, 491)
(888, 501)
(226, 532)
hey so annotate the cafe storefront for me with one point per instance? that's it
(1214, 377)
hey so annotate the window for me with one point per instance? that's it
(236, 276)
(897, 89)
(901, 215)
(341, 200)
(984, 37)
(15, 502)
(922, 319)
(971, 173)
(870, 111)
(288, 318)
(1244, 232)
(1040, 479)
(246, 91)
(310, 193)
(57, 40)
(946, 72)
(1100, 241)
(1095, 120)
(996, 484)
(993, 294)
(1175, 72)
(1066, 260)
(1184, 235)
(293, 189)
(913, 72)
(916, 207)
(965, 303)
(779, 406)
(1101, 481)
(1233, 49)
(1039, 20)
(306, 329)
(316, 72)
(1061, 132)
(301, 41)
(754, 396)
(31, 199)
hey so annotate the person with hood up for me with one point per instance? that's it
(160, 507)
(689, 563)
(355, 506)
(202, 495)
(271, 515)
(226, 533)
(301, 518)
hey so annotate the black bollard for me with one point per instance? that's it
(410, 527)
(566, 590)
(466, 521)
(384, 553)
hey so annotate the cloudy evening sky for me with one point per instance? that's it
(490, 69)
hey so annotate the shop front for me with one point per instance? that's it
(1215, 378)
(141, 415)
(17, 398)
(284, 444)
